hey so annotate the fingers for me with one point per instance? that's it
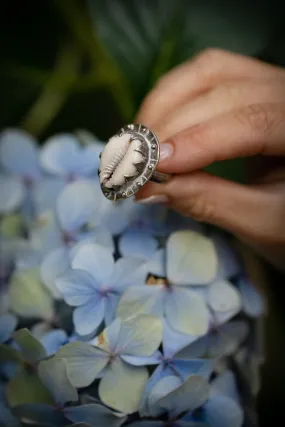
(256, 213)
(197, 76)
(222, 99)
(254, 129)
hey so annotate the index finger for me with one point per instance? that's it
(254, 129)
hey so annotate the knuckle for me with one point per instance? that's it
(258, 118)
(201, 211)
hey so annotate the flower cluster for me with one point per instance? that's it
(113, 313)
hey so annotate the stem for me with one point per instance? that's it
(55, 92)
(102, 65)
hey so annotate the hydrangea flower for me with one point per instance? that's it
(189, 297)
(94, 285)
(116, 356)
(172, 397)
(54, 376)
(62, 155)
(154, 318)
(146, 247)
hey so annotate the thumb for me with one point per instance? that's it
(255, 213)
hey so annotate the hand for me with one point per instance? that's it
(221, 106)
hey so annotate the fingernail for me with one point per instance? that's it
(166, 151)
(152, 200)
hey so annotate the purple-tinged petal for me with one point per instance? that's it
(136, 244)
(88, 317)
(19, 153)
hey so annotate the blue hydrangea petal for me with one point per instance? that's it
(54, 264)
(225, 385)
(19, 153)
(149, 219)
(45, 193)
(228, 265)
(157, 265)
(224, 297)
(122, 376)
(136, 244)
(116, 215)
(8, 323)
(128, 272)
(174, 341)
(95, 260)
(63, 155)
(158, 374)
(53, 340)
(45, 235)
(88, 317)
(161, 389)
(185, 368)
(140, 336)
(59, 155)
(111, 301)
(53, 374)
(195, 350)
(94, 415)
(148, 424)
(221, 411)
(77, 287)
(186, 312)
(77, 206)
(188, 396)
(88, 161)
(191, 259)
(141, 300)
(154, 359)
(228, 338)
(253, 302)
(12, 194)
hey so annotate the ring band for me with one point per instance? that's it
(129, 161)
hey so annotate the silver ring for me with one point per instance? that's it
(129, 161)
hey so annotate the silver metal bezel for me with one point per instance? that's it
(150, 149)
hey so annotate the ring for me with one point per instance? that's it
(129, 161)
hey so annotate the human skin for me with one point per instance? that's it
(221, 106)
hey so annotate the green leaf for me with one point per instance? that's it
(31, 348)
(28, 297)
(9, 354)
(147, 38)
(26, 387)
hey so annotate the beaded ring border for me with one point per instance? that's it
(147, 145)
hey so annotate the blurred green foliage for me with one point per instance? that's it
(88, 64)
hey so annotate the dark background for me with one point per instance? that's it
(68, 65)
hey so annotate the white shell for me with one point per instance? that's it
(128, 161)
(118, 160)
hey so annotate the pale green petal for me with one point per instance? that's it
(222, 296)
(83, 361)
(122, 386)
(31, 348)
(53, 374)
(28, 297)
(191, 258)
(140, 336)
(186, 312)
